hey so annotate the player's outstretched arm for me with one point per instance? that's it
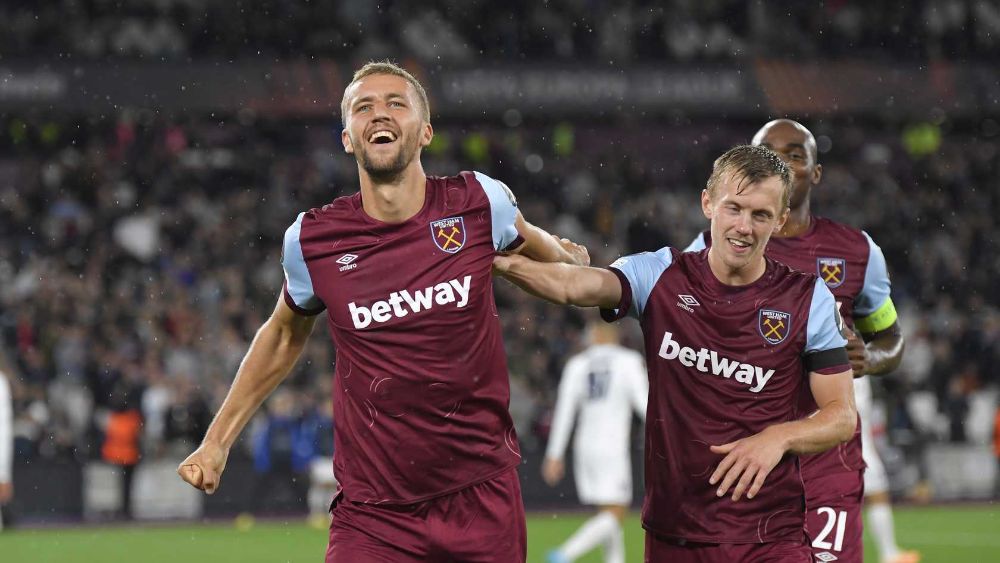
(541, 246)
(749, 461)
(563, 284)
(271, 356)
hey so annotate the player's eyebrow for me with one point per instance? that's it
(370, 97)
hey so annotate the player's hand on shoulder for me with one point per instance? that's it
(203, 468)
(502, 263)
(747, 463)
(579, 255)
(856, 352)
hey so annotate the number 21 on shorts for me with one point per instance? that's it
(834, 520)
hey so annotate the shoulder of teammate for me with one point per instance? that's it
(638, 274)
(297, 289)
(873, 307)
(700, 242)
(825, 346)
(503, 210)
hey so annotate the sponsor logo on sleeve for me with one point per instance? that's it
(832, 271)
(449, 234)
(774, 325)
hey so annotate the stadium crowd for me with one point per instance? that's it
(454, 32)
(125, 245)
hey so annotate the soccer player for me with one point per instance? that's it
(604, 384)
(425, 449)
(6, 440)
(731, 338)
(854, 269)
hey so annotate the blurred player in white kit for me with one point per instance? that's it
(605, 383)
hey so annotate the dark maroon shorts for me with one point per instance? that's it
(662, 550)
(481, 523)
(833, 517)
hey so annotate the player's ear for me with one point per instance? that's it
(817, 174)
(706, 204)
(781, 219)
(426, 135)
(345, 138)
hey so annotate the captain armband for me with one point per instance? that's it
(881, 319)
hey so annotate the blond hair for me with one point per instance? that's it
(392, 69)
(751, 164)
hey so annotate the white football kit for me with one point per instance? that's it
(605, 383)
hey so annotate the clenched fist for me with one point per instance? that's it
(203, 468)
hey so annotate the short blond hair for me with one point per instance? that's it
(390, 68)
(751, 164)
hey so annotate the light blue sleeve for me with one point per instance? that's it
(503, 209)
(877, 287)
(697, 245)
(823, 330)
(298, 284)
(642, 271)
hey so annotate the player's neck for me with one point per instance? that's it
(728, 275)
(397, 200)
(798, 222)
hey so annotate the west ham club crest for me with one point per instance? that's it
(449, 234)
(774, 325)
(833, 271)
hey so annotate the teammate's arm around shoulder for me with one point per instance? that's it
(273, 352)
(541, 246)
(563, 284)
(512, 234)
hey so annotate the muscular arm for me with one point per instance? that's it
(273, 352)
(751, 459)
(832, 424)
(883, 350)
(563, 284)
(541, 246)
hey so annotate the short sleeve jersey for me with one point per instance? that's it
(854, 269)
(724, 363)
(421, 388)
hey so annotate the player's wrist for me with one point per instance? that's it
(781, 435)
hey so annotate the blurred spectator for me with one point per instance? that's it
(122, 437)
(596, 30)
(282, 454)
(6, 441)
(317, 428)
(996, 451)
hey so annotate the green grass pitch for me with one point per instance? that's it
(944, 535)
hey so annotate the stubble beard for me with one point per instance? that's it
(389, 172)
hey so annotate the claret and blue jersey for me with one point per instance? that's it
(724, 363)
(854, 269)
(421, 387)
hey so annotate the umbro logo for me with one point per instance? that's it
(826, 556)
(348, 262)
(686, 302)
